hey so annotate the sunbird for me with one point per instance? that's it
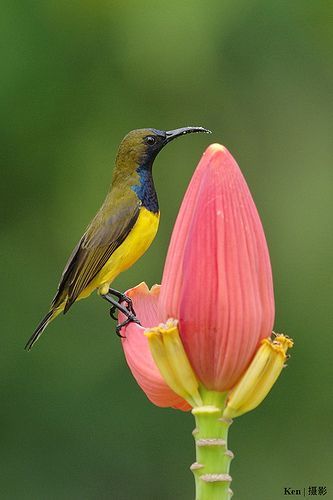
(121, 231)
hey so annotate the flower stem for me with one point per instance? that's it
(211, 469)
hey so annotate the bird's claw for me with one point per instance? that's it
(131, 318)
(122, 297)
(129, 303)
(127, 309)
(113, 313)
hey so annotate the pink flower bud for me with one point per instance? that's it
(217, 278)
(217, 283)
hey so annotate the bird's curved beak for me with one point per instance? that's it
(173, 134)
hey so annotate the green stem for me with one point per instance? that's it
(211, 469)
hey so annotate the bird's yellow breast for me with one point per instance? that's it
(132, 248)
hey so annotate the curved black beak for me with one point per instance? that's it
(173, 134)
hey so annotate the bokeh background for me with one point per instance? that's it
(75, 77)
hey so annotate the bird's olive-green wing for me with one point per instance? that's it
(104, 235)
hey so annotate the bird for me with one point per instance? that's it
(121, 231)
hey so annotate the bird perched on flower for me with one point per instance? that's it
(121, 231)
(205, 342)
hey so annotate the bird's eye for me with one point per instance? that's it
(150, 139)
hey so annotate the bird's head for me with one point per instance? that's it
(140, 147)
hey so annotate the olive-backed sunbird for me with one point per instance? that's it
(123, 228)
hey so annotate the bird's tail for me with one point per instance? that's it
(41, 327)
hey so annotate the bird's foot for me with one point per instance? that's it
(127, 309)
(122, 297)
(129, 319)
(113, 311)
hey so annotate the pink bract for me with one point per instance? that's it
(137, 351)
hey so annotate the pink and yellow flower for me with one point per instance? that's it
(217, 284)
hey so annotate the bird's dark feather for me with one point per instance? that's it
(102, 238)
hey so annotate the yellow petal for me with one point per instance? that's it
(260, 376)
(170, 357)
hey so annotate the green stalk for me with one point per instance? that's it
(211, 469)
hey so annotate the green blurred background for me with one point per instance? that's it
(75, 77)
